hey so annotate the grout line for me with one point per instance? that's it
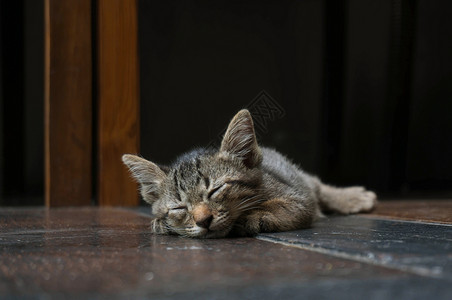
(420, 271)
(394, 219)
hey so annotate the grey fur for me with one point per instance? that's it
(239, 190)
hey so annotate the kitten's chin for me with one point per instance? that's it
(209, 234)
(216, 230)
(215, 234)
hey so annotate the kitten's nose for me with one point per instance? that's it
(205, 221)
(202, 215)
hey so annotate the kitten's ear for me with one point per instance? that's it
(240, 140)
(148, 174)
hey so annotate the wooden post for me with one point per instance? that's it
(118, 106)
(68, 108)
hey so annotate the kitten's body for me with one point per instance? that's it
(241, 189)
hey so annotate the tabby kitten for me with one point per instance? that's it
(239, 190)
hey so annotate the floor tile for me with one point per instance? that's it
(419, 248)
(109, 253)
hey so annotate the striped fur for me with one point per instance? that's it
(240, 189)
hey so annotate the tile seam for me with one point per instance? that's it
(415, 270)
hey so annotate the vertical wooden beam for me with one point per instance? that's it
(2, 189)
(118, 106)
(68, 103)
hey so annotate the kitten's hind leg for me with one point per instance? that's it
(345, 200)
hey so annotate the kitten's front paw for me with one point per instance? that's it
(247, 226)
(357, 199)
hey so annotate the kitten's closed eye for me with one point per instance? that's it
(215, 190)
(177, 212)
(179, 208)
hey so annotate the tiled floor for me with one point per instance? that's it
(109, 253)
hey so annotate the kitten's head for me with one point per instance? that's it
(204, 192)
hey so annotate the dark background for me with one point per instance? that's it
(366, 87)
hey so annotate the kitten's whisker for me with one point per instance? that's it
(249, 208)
(246, 200)
(249, 202)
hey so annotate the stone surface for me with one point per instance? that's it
(109, 253)
(419, 248)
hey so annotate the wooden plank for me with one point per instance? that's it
(68, 102)
(118, 106)
(427, 210)
(2, 189)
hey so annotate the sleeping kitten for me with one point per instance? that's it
(239, 190)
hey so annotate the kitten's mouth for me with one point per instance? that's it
(215, 230)
(210, 234)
